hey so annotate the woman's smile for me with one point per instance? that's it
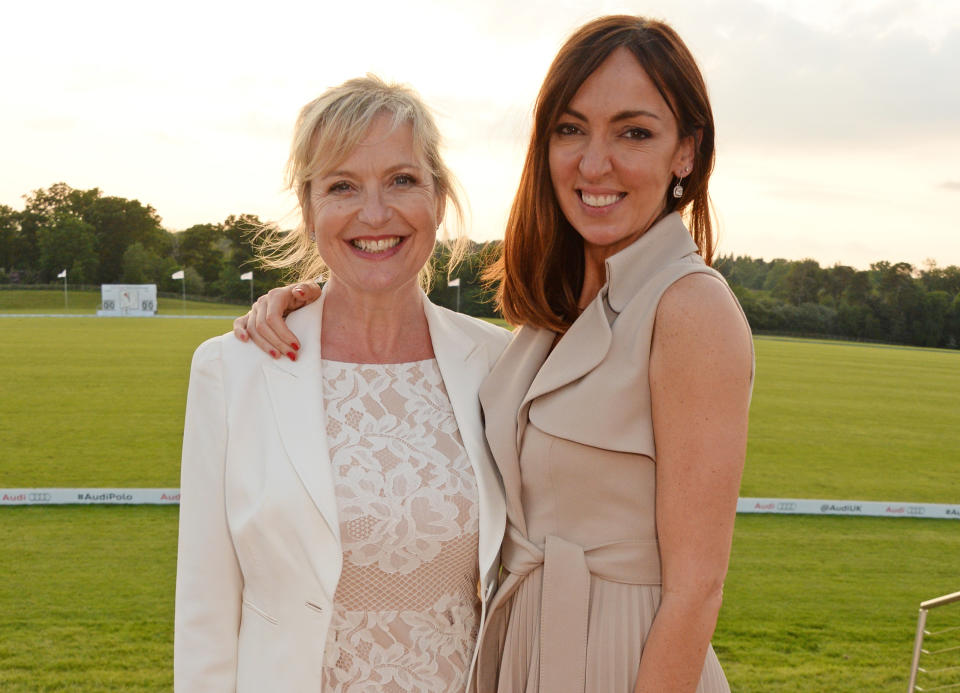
(379, 247)
(600, 200)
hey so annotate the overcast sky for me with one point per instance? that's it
(838, 124)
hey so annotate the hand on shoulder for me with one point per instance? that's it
(265, 324)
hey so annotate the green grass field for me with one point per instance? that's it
(817, 604)
(811, 603)
(841, 420)
(88, 598)
(95, 401)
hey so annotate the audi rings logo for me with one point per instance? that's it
(39, 497)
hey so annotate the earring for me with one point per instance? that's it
(312, 236)
(678, 188)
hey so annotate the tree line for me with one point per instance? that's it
(101, 239)
(890, 302)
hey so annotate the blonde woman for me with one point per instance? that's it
(340, 509)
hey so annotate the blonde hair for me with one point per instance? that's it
(327, 130)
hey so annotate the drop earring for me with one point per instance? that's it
(678, 188)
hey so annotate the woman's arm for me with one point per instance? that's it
(701, 365)
(264, 323)
(209, 582)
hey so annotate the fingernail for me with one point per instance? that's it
(299, 291)
(296, 347)
(274, 354)
(291, 356)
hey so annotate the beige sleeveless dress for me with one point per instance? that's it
(572, 435)
(406, 609)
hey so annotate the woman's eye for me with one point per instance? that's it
(339, 187)
(567, 129)
(404, 179)
(637, 134)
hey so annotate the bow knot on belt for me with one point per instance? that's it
(565, 597)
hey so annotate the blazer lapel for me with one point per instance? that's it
(296, 394)
(463, 365)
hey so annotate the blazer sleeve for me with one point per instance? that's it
(209, 582)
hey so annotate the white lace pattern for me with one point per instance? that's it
(406, 608)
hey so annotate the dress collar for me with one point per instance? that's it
(666, 241)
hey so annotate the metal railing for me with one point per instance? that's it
(932, 671)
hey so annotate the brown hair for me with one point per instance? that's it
(327, 130)
(541, 267)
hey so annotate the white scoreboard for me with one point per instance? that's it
(136, 300)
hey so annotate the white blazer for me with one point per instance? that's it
(259, 550)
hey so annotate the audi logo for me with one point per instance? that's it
(39, 497)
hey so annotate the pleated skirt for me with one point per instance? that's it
(620, 616)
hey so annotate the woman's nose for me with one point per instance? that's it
(375, 211)
(595, 159)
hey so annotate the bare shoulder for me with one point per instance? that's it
(700, 323)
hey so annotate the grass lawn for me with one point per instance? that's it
(830, 603)
(842, 420)
(88, 598)
(810, 604)
(95, 401)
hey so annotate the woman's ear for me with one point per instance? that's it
(686, 153)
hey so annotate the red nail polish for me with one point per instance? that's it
(296, 347)
(273, 353)
(291, 356)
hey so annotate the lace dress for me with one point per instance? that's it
(406, 609)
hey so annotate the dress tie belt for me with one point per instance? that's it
(565, 597)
